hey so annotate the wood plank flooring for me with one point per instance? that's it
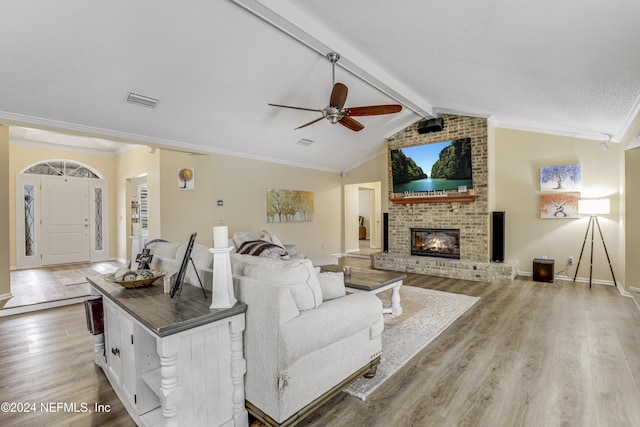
(527, 354)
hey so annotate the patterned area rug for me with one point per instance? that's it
(425, 314)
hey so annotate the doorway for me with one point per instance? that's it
(363, 216)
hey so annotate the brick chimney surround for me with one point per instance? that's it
(471, 217)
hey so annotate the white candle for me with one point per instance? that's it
(220, 236)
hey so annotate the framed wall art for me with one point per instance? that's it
(559, 205)
(289, 206)
(186, 179)
(560, 178)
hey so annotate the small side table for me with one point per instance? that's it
(543, 270)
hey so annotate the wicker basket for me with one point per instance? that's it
(136, 283)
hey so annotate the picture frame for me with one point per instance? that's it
(186, 179)
(559, 205)
(560, 178)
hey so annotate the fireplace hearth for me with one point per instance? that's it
(436, 242)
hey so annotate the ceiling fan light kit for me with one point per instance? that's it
(336, 112)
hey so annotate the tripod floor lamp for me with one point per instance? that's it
(593, 208)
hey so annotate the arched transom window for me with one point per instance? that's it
(62, 168)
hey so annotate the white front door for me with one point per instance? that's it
(65, 220)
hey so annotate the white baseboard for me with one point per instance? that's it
(570, 278)
(42, 306)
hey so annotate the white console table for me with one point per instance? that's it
(172, 363)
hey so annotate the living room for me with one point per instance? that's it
(541, 79)
(516, 157)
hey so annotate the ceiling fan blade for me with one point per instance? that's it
(296, 108)
(310, 123)
(338, 96)
(374, 110)
(350, 123)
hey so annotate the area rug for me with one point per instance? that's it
(73, 277)
(425, 314)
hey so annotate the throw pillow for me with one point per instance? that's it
(332, 284)
(245, 236)
(261, 248)
(296, 275)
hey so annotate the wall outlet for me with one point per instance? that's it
(570, 259)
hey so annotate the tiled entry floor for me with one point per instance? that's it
(39, 285)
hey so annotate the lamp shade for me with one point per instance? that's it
(594, 207)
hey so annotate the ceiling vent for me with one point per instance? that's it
(145, 101)
(306, 142)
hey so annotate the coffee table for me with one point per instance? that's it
(376, 281)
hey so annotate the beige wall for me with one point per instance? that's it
(243, 183)
(518, 158)
(632, 198)
(23, 156)
(373, 170)
(5, 227)
(183, 212)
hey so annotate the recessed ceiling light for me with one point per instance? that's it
(145, 101)
(305, 142)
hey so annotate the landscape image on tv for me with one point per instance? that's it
(436, 166)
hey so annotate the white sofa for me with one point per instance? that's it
(302, 347)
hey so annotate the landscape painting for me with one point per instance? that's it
(560, 178)
(432, 167)
(559, 205)
(289, 206)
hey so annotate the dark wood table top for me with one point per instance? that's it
(365, 279)
(158, 311)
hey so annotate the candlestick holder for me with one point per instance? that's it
(222, 295)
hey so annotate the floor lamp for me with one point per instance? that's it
(593, 208)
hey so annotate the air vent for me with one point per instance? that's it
(306, 142)
(145, 101)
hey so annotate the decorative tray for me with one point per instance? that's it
(134, 278)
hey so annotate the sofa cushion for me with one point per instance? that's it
(297, 275)
(331, 284)
(201, 256)
(164, 249)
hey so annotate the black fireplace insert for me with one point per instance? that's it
(436, 242)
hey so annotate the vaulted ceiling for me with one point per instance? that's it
(570, 67)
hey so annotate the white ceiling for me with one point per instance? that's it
(570, 67)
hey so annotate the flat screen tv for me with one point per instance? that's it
(438, 166)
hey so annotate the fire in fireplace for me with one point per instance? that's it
(436, 242)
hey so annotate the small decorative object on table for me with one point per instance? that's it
(134, 278)
(143, 259)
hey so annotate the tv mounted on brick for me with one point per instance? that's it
(437, 166)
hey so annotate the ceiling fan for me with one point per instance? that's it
(336, 112)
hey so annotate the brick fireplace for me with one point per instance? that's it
(470, 217)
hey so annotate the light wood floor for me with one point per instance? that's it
(527, 354)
